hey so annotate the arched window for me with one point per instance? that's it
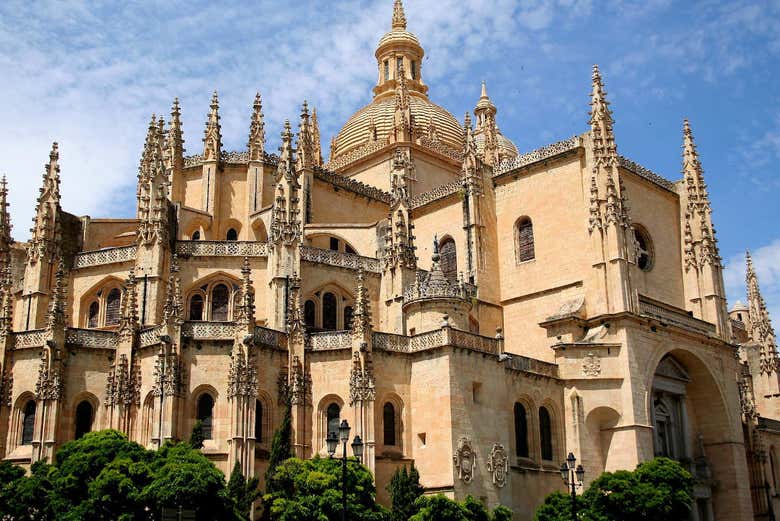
(196, 307)
(258, 421)
(232, 235)
(524, 240)
(219, 303)
(388, 422)
(196, 235)
(347, 317)
(545, 433)
(521, 431)
(93, 319)
(206, 415)
(112, 307)
(644, 248)
(449, 258)
(84, 417)
(308, 313)
(28, 422)
(329, 311)
(332, 414)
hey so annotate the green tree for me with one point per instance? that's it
(281, 447)
(196, 436)
(404, 489)
(243, 492)
(441, 508)
(311, 490)
(556, 507)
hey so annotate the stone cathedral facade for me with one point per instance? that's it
(476, 310)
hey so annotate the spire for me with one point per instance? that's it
(399, 18)
(761, 330)
(304, 149)
(55, 317)
(173, 306)
(315, 138)
(286, 151)
(212, 138)
(601, 122)
(44, 230)
(151, 193)
(175, 139)
(129, 314)
(361, 316)
(246, 311)
(5, 226)
(256, 145)
(485, 113)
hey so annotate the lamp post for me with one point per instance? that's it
(357, 449)
(573, 479)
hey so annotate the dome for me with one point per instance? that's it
(395, 37)
(507, 149)
(382, 112)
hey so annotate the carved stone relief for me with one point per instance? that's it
(465, 460)
(498, 464)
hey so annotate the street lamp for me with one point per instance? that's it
(332, 442)
(573, 478)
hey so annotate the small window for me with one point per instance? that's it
(388, 422)
(476, 391)
(387, 70)
(196, 236)
(449, 259)
(308, 313)
(329, 311)
(219, 303)
(524, 240)
(739, 317)
(112, 307)
(644, 249)
(521, 431)
(348, 317)
(332, 414)
(94, 314)
(84, 417)
(206, 415)
(196, 307)
(232, 235)
(28, 422)
(334, 244)
(545, 433)
(414, 70)
(258, 421)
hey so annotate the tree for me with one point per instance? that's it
(404, 489)
(196, 436)
(243, 492)
(441, 508)
(281, 447)
(311, 489)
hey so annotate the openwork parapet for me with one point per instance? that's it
(446, 336)
(221, 249)
(330, 340)
(231, 157)
(32, 338)
(647, 174)
(540, 154)
(670, 315)
(105, 256)
(339, 259)
(209, 330)
(91, 338)
(530, 365)
(150, 336)
(270, 338)
(351, 185)
(440, 192)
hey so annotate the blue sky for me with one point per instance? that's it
(89, 74)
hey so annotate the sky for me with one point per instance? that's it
(90, 74)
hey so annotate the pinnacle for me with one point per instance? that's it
(399, 18)
(484, 90)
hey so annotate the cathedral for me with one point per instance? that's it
(468, 306)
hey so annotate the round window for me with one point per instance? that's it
(644, 249)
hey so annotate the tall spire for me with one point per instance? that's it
(286, 152)
(212, 139)
(399, 18)
(44, 230)
(601, 122)
(315, 138)
(761, 330)
(304, 149)
(152, 190)
(175, 139)
(485, 112)
(256, 145)
(5, 226)
(56, 313)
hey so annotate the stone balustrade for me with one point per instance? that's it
(330, 340)
(530, 365)
(119, 254)
(670, 315)
(221, 249)
(209, 330)
(272, 338)
(446, 336)
(339, 259)
(27, 339)
(149, 336)
(94, 338)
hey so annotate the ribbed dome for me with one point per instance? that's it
(398, 37)
(382, 112)
(506, 147)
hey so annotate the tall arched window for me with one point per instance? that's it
(347, 317)
(28, 422)
(196, 307)
(388, 423)
(258, 421)
(232, 235)
(332, 414)
(329, 311)
(84, 417)
(309, 313)
(545, 433)
(449, 258)
(521, 431)
(112, 307)
(206, 415)
(93, 319)
(220, 297)
(524, 240)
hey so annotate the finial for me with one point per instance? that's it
(256, 145)
(399, 18)
(484, 90)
